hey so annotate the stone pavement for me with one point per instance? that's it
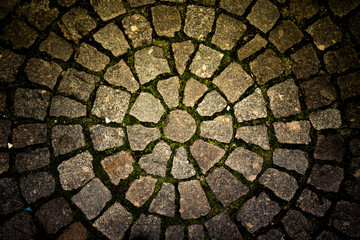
(179, 119)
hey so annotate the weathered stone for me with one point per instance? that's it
(31, 103)
(349, 85)
(295, 132)
(76, 231)
(340, 60)
(325, 119)
(297, 226)
(166, 20)
(273, 234)
(306, 62)
(206, 154)
(108, 9)
(139, 3)
(205, 61)
(36, 186)
(291, 159)
(66, 3)
(257, 212)
(169, 90)
(76, 171)
(237, 7)
(219, 129)
(324, 33)
(193, 201)
(92, 198)
(9, 65)
(147, 108)
(353, 114)
(43, 72)
(149, 63)
(199, 21)
(66, 138)
(251, 47)
(146, 226)
(330, 147)
(182, 52)
(345, 218)
(221, 227)
(6, 7)
(181, 167)
(118, 166)
(121, 75)
(326, 177)
(10, 196)
(303, 9)
(175, 232)
(227, 187)
(342, 8)
(193, 91)
(55, 214)
(312, 203)
(138, 29)
(29, 134)
(250, 108)
(78, 84)
(179, 126)
(20, 226)
(89, 57)
(5, 131)
(111, 103)
(114, 222)
(196, 232)
(104, 137)
(212, 103)
(254, 135)
(156, 162)
(4, 162)
(19, 34)
(245, 162)
(66, 107)
(139, 136)
(112, 38)
(76, 23)
(267, 66)
(164, 202)
(285, 35)
(3, 99)
(141, 190)
(263, 15)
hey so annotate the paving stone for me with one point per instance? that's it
(267, 66)
(193, 201)
(282, 184)
(141, 190)
(325, 119)
(43, 72)
(219, 129)
(166, 20)
(227, 187)
(91, 199)
(354, 26)
(20, 226)
(295, 132)
(257, 135)
(221, 227)
(353, 114)
(104, 137)
(182, 52)
(196, 232)
(112, 39)
(5, 131)
(4, 162)
(326, 235)
(273, 234)
(149, 63)
(9, 65)
(263, 15)
(89, 57)
(206, 154)
(3, 98)
(257, 212)
(251, 107)
(66, 138)
(139, 136)
(76, 171)
(55, 214)
(111, 103)
(205, 61)
(66, 107)
(29, 134)
(326, 177)
(164, 202)
(324, 33)
(76, 231)
(340, 60)
(237, 7)
(181, 167)
(108, 9)
(285, 35)
(303, 9)
(27, 161)
(169, 90)
(312, 203)
(251, 47)
(139, 3)
(31, 103)
(179, 126)
(318, 92)
(147, 108)
(66, 3)
(212, 103)
(345, 218)
(121, 75)
(306, 62)
(156, 162)
(114, 222)
(138, 29)
(199, 21)
(349, 85)
(297, 226)
(19, 34)
(174, 232)
(233, 81)
(148, 227)
(291, 159)
(78, 84)
(6, 7)
(354, 146)
(118, 166)
(76, 23)
(342, 8)
(37, 185)
(193, 91)
(10, 196)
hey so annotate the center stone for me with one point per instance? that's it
(179, 126)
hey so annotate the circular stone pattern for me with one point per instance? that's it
(180, 126)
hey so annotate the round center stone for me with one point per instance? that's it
(180, 126)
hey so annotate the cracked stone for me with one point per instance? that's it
(166, 20)
(257, 135)
(139, 136)
(263, 15)
(73, 108)
(156, 162)
(199, 21)
(181, 167)
(175, 232)
(342, 8)
(340, 60)
(89, 57)
(108, 9)
(251, 107)
(66, 138)
(303, 9)
(267, 66)
(9, 65)
(182, 52)
(297, 226)
(306, 62)
(164, 202)
(169, 90)
(193, 91)
(5, 131)
(285, 35)
(345, 218)
(295, 132)
(148, 227)
(219, 129)
(141, 190)
(291, 159)
(11, 200)
(121, 75)
(27, 161)
(4, 162)
(237, 7)
(76, 231)
(325, 119)
(104, 137)
(179, 126)
(29, 134)
(147, 108)
(43, 72)
(312, 203)
(206, 61)
(37, 185)
(19, 34)
(251, 47)
(221, 227)
(212, 103)
(138, 29)
(118, 166)
(349, 85)
(196, 232)
(326, 177)
(206, 154)
(20, 226)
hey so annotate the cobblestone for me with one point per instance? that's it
(251, 107)
(182, 52)
(320, 175)
(310, 202)
(291, 159)
(43, 72)
(4, 162)
(57, 47)
(19, 34)
(179, 126)
(251, 47)
(140, 190)
(193, 91)
(340, 60)
(199, 21)
(295, 132)
(181, 167)
(75, 231)
(257, 135)
(139, 136)
(267, 66)
(121, 75)
(118, 166)
(104, 137)
(237, 7)
(263, 15)
(349, 85)
(20, 226)
(74, 109)
(212, 103)
(146, 227)
(9, 65)
(164, 202)
(306, 62)
(138, 30)
(66, 138)
(221, 227)
(169, 90)
(29, 134)
(285, 35)
(91, 58)
(11, 200)
(206, 154)
(166, 20)
(219, 129)
(108, 9)
(36, 186)
(156, 162)
(205, 61)
(325, 119)
(297, 226)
